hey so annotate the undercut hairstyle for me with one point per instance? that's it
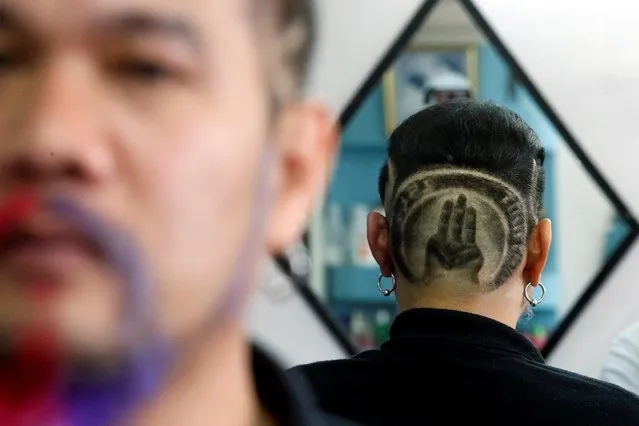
(463, 189)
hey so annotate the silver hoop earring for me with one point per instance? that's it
(385, 291)
(534, 302)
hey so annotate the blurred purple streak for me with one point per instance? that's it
(121, 252)
(100, 402)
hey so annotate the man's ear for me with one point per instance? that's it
(307, 141)
(379, 242)
(538, 249)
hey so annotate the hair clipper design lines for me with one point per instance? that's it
(459, 221)
(454, 246)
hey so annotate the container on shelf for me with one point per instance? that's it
(382, 326)
(334, 236)
(361, 330)
(539, 335)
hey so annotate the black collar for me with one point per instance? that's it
(440, 326)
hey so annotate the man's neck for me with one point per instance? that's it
(212, 386)
(503, 305)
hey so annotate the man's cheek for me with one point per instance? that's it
(199, 263)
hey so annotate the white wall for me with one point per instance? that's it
(282, 321)
(353, 35)
(584, 217)
(581, 55)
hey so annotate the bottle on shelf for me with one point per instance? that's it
(362, 330)
(334, 237)
(382, 326)
(539, 335)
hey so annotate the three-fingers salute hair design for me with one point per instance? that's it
(455, 221)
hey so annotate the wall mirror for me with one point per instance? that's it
(449, 52)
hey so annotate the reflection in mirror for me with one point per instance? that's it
(449, 58)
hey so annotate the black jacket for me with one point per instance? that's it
(452, 368)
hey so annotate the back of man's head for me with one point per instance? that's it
(463, 190)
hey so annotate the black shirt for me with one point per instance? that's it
(288, 399)
(447, 368)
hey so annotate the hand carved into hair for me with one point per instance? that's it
(454, 247)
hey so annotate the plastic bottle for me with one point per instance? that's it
(539, 335)
(382, 325)
(361, 330)
(334, 237)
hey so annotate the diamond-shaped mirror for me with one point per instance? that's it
(453, 54)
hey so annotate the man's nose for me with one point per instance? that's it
(56, 132)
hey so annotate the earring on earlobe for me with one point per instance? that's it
(386, 291)
(534, 302)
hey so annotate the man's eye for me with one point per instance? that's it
(146, 71)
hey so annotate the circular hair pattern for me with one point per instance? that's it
(458, 221)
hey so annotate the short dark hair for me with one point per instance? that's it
(463, 189)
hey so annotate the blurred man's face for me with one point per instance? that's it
(155, 114)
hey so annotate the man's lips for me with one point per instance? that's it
(38, 239)
(45, 239)
(51, 251)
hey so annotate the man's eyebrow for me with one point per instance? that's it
(127, 23)
(141, 23)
